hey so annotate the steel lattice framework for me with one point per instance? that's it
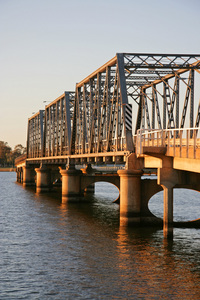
(150, 83)
(100, 108)
(35, 135)
(57, 125)
(156, 80)
(130, 92)
(49, 131)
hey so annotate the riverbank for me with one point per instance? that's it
(7, 169)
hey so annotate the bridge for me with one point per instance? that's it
(135, 113)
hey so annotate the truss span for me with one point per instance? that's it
(131, 91)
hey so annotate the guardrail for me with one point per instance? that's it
(181, 142)
(20, 159)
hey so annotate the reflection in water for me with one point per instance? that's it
(51, 250)
(158, 266)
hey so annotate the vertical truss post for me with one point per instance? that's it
(104, 111)
(155, 97)
(146, 110)
(45, 133)
(53, 129)
(99, 97)
(139, 115)
(28, 140)
(67, 118)
(153, 113)
(74, 124)
(61, 114)
(177, 102)
(85, 112)
(164, 105)
(143, 108)
(187, 94)
(49, 131)
(91, 100)
(42, 132)
(33, 137)
(108, 108)
(124, 99)
(57, 127)
(49, 148)
(192, 103)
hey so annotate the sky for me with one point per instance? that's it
(47, 46)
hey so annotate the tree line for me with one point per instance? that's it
(8, 156)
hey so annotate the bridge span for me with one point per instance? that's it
(138, 111)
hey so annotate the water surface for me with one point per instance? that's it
(50, 250)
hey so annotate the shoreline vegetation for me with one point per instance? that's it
(8, 156)
(7, 169)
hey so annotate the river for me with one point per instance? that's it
(50, 250)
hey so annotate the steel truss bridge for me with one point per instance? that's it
(139, 110)
(132, 91)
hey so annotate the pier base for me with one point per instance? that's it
(43, 179)
(130, 196)
(20, 175)
(90, 189)
(28, 176)
(71, 184)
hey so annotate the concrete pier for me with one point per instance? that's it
(130, 196)
(135, 192)
(20, 175)
(90, 189)
(28, 176)
(168, 178)
(71, 184)
(168, 212)
(43, 179)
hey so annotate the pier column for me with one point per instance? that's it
(43, 179)
(71, 184)
(28, 176)
(18, 175)
(168, 178)
(21, 175)
(130, 196)
(168, 211)
(90, 189)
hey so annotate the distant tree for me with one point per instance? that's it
(5, 151)
(19, 149)
(8, 156)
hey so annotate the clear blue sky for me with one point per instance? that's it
(47, 46)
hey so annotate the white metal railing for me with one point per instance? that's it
(181, 142)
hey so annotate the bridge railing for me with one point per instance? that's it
(184, 143)
(20, 159)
